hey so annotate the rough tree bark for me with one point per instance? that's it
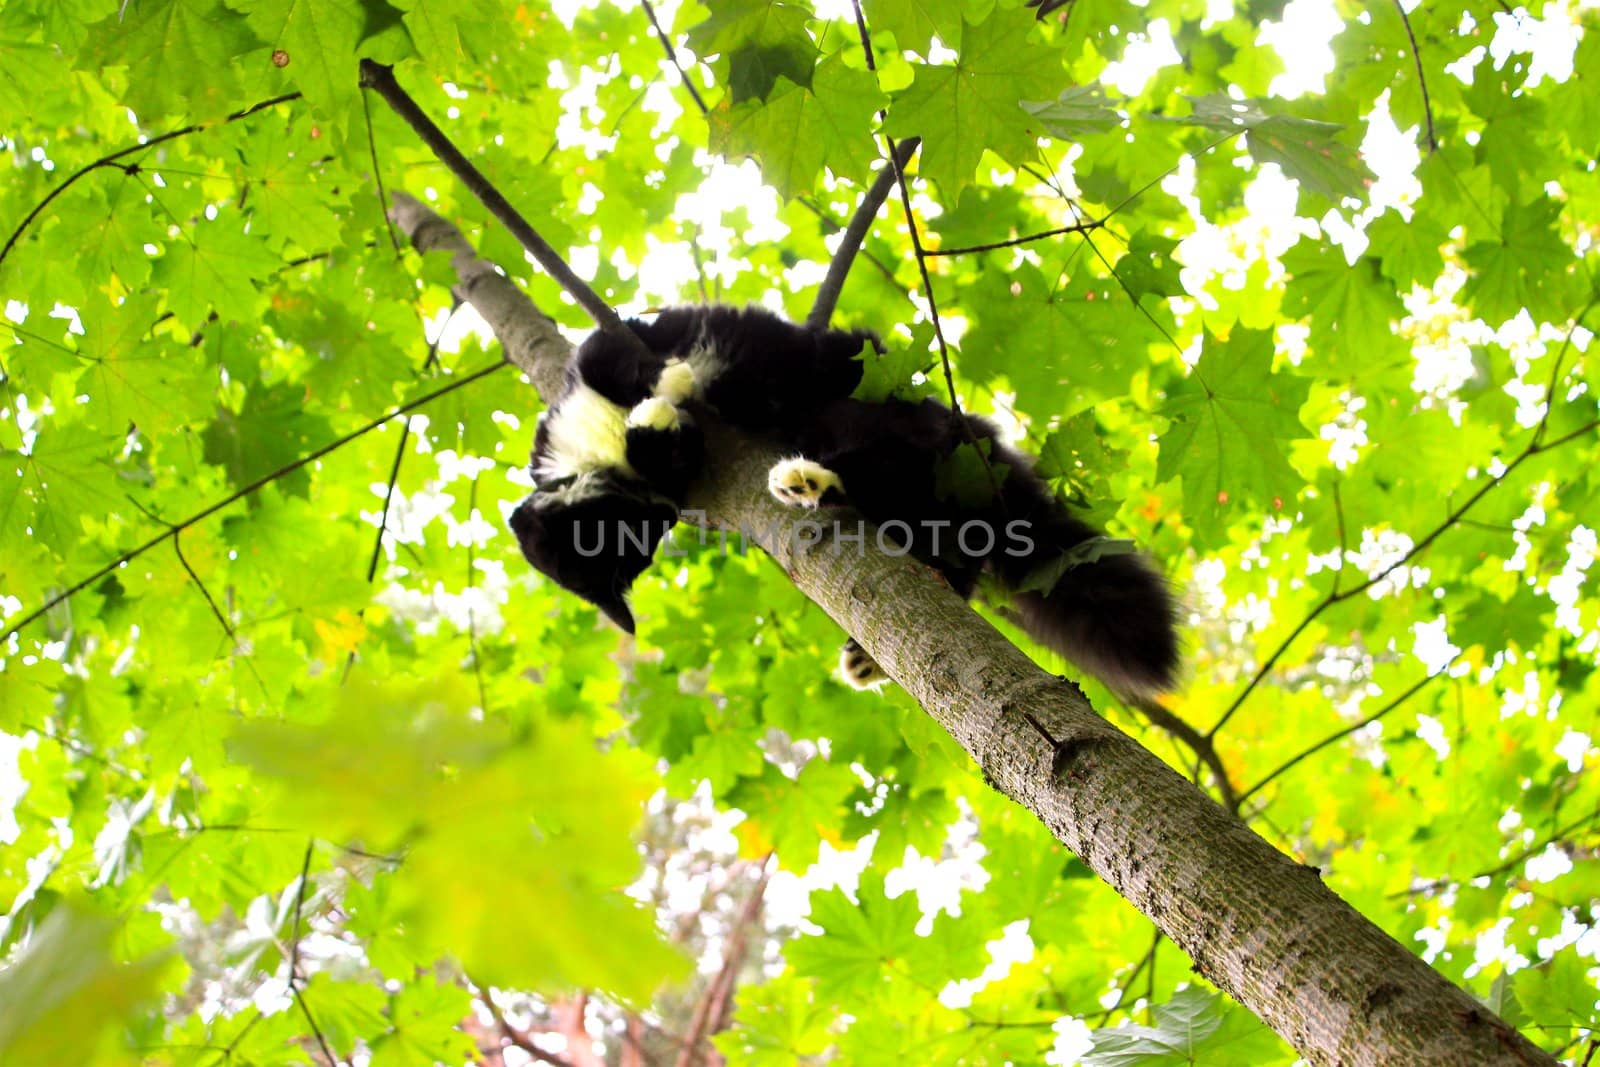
(1257, 924)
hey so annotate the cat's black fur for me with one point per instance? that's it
(1112, 615)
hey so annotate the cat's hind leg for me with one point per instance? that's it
(859, 670)
(804, 483)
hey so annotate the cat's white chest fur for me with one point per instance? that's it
(586, 432)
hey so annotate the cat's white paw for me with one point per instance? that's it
(800, 483)
(656, 413)
(859, 670)
(676, 383)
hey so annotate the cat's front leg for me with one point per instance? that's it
(803, 483)
(664, 446)
(676, 383)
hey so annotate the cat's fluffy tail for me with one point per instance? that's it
(1115, 617)
(1100, 604)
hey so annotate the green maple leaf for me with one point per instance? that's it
(1080, 111)
(797, 131)
(974, 105)
(426, 1014)
(134, 377)
(214, 267)
(1409, 249)
(1513, 125)
(915, 23)
(439, 27)
(792, 815)
(110, 232)
(31, 69)
(1306, 149)
(1233, 418)
(1075, 459)
(319, 39)
(177, 55)
(1060, 346)
(1558, 989)
(1193, 1027)
(861, 942)
(546, 813)
(763, 41)
(1525, 268)
(65, 990)
(890, 374)
(1352, 308)
(969, 475)
(271, 430)
(290, 200)
(1149, 269)
(65, 476)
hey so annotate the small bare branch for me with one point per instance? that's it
(380, 78)
(855, 233)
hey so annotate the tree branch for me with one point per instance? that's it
(709, 1013)
(1257, 924)
(380, 78)
(515, 1036)
(856, 232)
(111, 161)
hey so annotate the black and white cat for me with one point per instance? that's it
(614, 456)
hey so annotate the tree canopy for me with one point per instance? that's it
(299, 761)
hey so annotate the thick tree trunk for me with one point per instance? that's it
(1256, 924)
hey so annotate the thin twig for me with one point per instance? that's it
(514, 1035)
(81, 749)
(377, 176)
(856, 232)
(216, 612)
(1203, 747)
(1555, 368)
(1339, 735)
(380, 77)
(1533, 448)
(472, 617)
(922, 269)
(1147, 960)
(388, 499)
(111, 161)
(264, 480)
(216, 609)
(294, 956)
(1416, 56)
(672, 56)
(1077, 227)
(1520, 856)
